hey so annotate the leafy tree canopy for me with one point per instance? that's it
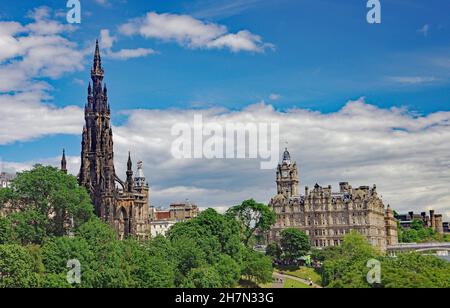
(252, 217)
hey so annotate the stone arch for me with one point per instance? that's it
(123, 220)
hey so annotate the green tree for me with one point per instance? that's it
(108, 250)
(28, 227)
(412, 270)
(253, 217)
(229, 271)
(189, 256)
(52, 199)
(204, 278)
(57, 251)
(274, 250)
(257, 267)
(346, 266)
(213, 233)
(145, 270)
(16, 267)
(417, 233)
(294, 244)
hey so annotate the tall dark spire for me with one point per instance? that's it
(130, 182)
(64, 162)
(97, 172)
(97, 69)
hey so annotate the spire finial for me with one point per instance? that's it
(129, 164)
(130, 182)
(286, 157)
(64, 162)
(97, 69)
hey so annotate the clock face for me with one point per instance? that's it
(285, 174)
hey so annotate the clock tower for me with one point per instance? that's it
(287, 177)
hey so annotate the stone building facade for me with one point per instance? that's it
(327, 216)
(6, 179)
(122, 204)
(161, 220)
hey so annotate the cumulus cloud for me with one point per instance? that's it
(34, 51)
(107, 41)
(406, 155)
(30, 54)
(24, 117)
(193, 33)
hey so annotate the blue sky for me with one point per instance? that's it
(326, 53)
(313, 55)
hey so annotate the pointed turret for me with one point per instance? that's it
(129, 163)
(97, 69)
(139, 180)
(130, 182)
(286, 157)
(64, 162)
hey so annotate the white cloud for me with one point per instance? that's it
(107, 41)
(35, 51)
(124, 54)
(32, 54)
(193, 33)
(24, 118)
(103, 2)
(413, 80)
(274, 97)
(406, 155)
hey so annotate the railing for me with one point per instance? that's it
(418, 246)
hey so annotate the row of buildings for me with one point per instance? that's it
(161, 220)
(327, 216)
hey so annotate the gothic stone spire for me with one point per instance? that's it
(130, 182)
(97, 69)
(97, 171)
(64, 162)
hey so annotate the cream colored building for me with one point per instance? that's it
(327, 216)
(160, 227)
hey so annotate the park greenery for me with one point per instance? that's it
(419, 233)
(293, 245)
(51, 221)
(345, 266)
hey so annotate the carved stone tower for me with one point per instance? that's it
(287, 177)
(125, 206)
(64, 162)
(97, 172)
